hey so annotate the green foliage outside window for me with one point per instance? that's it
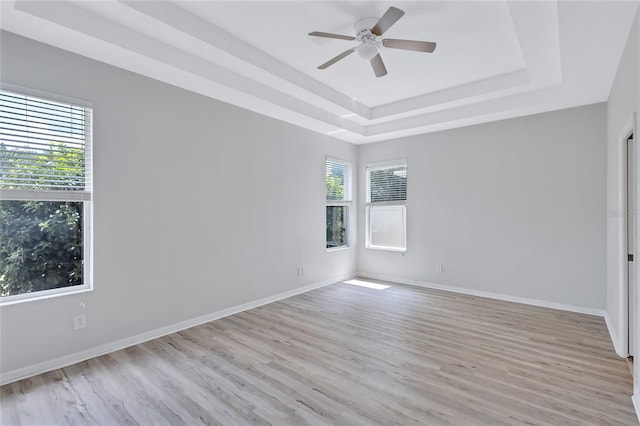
(388, 184)
(41, 242)
(336, 215)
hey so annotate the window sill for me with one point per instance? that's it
(341, 248)
(402, 250)
(42, 295)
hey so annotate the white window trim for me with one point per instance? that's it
(345, 203)
(380, 166)
(85, 196)
(27, 91)
(341, 248)
(45, 294)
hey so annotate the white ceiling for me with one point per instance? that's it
(494, 59)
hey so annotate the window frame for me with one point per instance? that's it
(369, 205)
(347, 203)
(85, 196)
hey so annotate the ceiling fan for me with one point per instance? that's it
(369, 49)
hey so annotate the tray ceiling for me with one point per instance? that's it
(494, 59)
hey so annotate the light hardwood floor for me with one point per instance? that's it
(347, 355)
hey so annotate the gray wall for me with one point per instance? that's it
(199, 206)
(624, 99)
(515, 207)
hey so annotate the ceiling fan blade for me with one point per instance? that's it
(337, 58)
(331, 35)
(418, 46)
(378, 66)
(389, 18)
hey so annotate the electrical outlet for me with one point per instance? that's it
(301, 271)
(438, 268)
(79, 321)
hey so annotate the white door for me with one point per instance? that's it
(631, 241)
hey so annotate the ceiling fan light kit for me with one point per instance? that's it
(367, 51)
(366, 30)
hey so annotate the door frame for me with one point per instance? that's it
(630, 128)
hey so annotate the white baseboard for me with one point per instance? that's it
(636, 403)
(489, 295)
(43, 367)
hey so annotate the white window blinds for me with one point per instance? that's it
(43, 145)
(338, 180)
(387, 184)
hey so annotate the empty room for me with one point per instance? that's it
(319, 212)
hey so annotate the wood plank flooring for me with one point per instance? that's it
(348, 355)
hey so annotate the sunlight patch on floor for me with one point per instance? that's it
(367, 284)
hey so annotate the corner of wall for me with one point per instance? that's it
(613, 333)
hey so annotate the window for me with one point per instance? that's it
(45, 197)
(338, 182)
(386, 221)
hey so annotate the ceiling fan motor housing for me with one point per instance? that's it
(370, 46)
(364, 24)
